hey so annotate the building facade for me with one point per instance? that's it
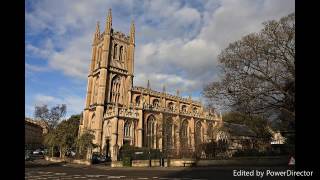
(119, 113)
(34, 132)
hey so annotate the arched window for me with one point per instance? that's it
(155, 103)
(115, 89)
(127, 129)
(115, 51)
(151, 132)
(120, 53)
(184, 133)
(184, 108)
(195, 110)
(171, 106)
(167, 126)
(108, 129)
(96, 87)
(198, 135)
(128, 132)
(138, 98)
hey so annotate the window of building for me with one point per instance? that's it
(184, 133)
(115, 89)
(155, 103)
(138, 100)
(115, 51)
(195, 110)
(171, 105)
(184, 128)
(184, 108)
(198, 135)
(167, 126)
(127, 129)
(121, 53)
(151, 132)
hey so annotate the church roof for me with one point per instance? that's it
(156, 93)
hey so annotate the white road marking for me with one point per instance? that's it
(114, 177)
(60, 173)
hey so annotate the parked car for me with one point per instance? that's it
(96, 158)
(38, 152)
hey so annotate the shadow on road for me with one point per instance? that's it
(37, 164)
(223, 172)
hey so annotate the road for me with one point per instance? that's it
(45, 170)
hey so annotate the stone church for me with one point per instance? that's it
(119, 113)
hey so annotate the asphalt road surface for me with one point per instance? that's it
(46, 170)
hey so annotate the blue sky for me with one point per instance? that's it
(177, 42)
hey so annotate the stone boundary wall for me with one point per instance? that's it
(145, 163)
(236, 161)
(181, 162)
(140, 163)
(188, 162)
(75, 161)
(116, 164)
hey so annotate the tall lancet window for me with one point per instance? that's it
(96, 88)
(115, 89)
(98, 58)
(210, 132)
(198, 135)
(115, 51)
(151, 132)
(128, 132)
(167, 134)
(184, 133)
(121, 53)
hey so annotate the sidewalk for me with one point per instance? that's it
(41, 163)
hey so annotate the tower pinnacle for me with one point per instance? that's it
(109, 22)
(97, 33)
(148, 84)
(132, 32)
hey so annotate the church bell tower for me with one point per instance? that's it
(110, 75)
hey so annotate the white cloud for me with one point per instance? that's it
(41, 99)
(34, 68)
(43, 51)
(176, 45)
(74, 59)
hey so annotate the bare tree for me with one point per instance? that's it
(258, 72)
(51, 116)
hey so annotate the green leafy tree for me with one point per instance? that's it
(84, 142)
(67, 132)
(51, 140)
(64, 136)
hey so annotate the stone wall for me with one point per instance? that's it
(116, 164)
(75, 161)
(245, 161)
(181, 162)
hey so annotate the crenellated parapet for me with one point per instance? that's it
(120, 36)
(138, 89)
(122, 112)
